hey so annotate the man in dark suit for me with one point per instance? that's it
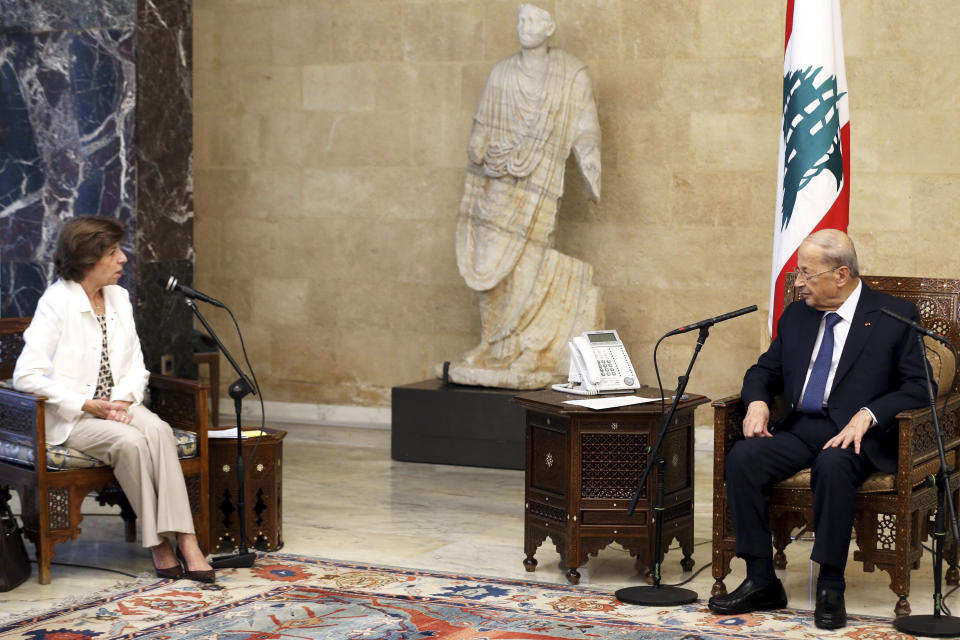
(845, 371)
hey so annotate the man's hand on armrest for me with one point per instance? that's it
(756, 421)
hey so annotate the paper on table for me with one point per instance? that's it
(610, 402)
(232, 433)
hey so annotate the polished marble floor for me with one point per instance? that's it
(344, 498)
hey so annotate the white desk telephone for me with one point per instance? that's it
(599, 364)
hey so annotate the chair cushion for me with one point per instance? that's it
(61, 457)
(943, 366)
(877, 482)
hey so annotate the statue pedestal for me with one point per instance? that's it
(462, 425)
(517, 381)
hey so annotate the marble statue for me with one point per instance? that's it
(537, 106)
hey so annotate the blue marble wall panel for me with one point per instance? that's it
(96, 118)
(66, 144)
(21, 284)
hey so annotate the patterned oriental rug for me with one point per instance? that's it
(290, 597)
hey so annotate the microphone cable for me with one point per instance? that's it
(256, 389)
(943, 412)
(956, 372)
(86, 566)
(656, 369)
(256, 385)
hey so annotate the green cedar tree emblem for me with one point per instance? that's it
(811, 134)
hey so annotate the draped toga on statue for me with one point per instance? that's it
(533, 299)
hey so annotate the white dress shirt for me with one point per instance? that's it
(840, 332)
(61, 354)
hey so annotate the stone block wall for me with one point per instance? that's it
(330, 155)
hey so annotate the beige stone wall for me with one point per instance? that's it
(330, 139)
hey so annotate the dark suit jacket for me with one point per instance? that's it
(881, 368)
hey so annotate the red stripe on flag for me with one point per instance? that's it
(837, 217)
(786, 39)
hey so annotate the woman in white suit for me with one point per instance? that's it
(82, 352)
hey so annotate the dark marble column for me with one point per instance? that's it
(95, 119)
(164, 157)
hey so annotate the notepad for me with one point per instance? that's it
(610, 402)
(232, 433)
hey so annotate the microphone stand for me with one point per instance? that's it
(242, 557)
(936, 625)
(661, 595)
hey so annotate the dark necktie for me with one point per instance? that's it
(812, 401)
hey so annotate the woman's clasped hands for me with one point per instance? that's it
(108, 410)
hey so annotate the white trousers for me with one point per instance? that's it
(143, 455)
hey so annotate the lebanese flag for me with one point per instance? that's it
(813, 177)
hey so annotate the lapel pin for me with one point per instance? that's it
(866, 324)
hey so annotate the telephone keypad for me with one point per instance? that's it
(608, 366)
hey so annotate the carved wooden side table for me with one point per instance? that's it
(582, 467)
(263, 489)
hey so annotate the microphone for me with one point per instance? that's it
(172, 284)
(709, 322)
(916, 326)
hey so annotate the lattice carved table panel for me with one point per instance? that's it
(611, 464)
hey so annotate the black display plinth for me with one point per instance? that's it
(456, 424)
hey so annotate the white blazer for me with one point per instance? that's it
(61, 354)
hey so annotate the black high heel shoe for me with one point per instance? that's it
(206, 576)
(170, 573)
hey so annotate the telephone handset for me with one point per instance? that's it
(599, 364)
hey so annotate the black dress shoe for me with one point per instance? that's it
(831, 613)
(750, 596)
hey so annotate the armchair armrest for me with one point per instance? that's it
(728, 415)
(916, 440)
(727, 402)
(181, 403)
(23, 421)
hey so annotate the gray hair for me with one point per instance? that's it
(837, 249)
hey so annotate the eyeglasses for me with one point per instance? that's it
(801, 274)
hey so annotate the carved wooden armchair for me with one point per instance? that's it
(893, 510)
(51, 494)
